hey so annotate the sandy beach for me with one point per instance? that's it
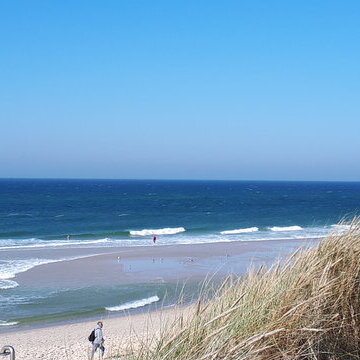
(69, 341)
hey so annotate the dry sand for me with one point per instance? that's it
(70, 341)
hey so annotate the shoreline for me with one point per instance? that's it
(94, 260)
(154, 264)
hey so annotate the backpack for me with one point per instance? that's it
(92, 336)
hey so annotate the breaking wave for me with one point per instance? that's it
(36, 243)
(286, 228)
(239, 231)
(134, 304)
(164, 231)
(340, 229)
(9, 269)
(6, 323)
(8, 284)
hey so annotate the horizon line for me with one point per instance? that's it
(164, 179)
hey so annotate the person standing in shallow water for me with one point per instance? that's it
(154, 239)
(99, 340)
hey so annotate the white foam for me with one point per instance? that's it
(9, 268)
(19, 215)
(239, 231)
(8, 284)
(286, 228)
(5, 323)
(134, 304)
(36, 243)
(341, 229)
(13, 267)
(164, 231)
(341, 226)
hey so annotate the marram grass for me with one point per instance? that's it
(307, 307)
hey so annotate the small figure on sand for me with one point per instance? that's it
(154, 239)
(97, 340)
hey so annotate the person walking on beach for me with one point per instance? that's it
(154, 239)
(98, 341)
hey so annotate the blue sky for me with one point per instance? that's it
(180, 89)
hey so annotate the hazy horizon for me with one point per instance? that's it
(184, 179)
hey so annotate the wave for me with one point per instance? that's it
(36, 243)
(286, 228)
(19, 215)
(341, 226)
(11, 268)
(134, 304)
(164, 231)
(172, 236)
(340, 229)
(239, 231)
(6, 323)
(8, 284)
(89, 236)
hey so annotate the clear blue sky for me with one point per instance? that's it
(180, 89)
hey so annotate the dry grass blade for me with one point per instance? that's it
(226, 313)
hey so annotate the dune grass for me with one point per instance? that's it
(306, 307)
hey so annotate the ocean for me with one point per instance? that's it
(44, 215)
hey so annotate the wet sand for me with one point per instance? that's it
(154, 263)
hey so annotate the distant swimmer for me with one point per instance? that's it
(154, 239)
(69, 237)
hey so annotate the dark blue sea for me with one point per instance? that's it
(52, 214)
(34, 212)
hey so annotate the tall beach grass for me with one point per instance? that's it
(306, 307)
